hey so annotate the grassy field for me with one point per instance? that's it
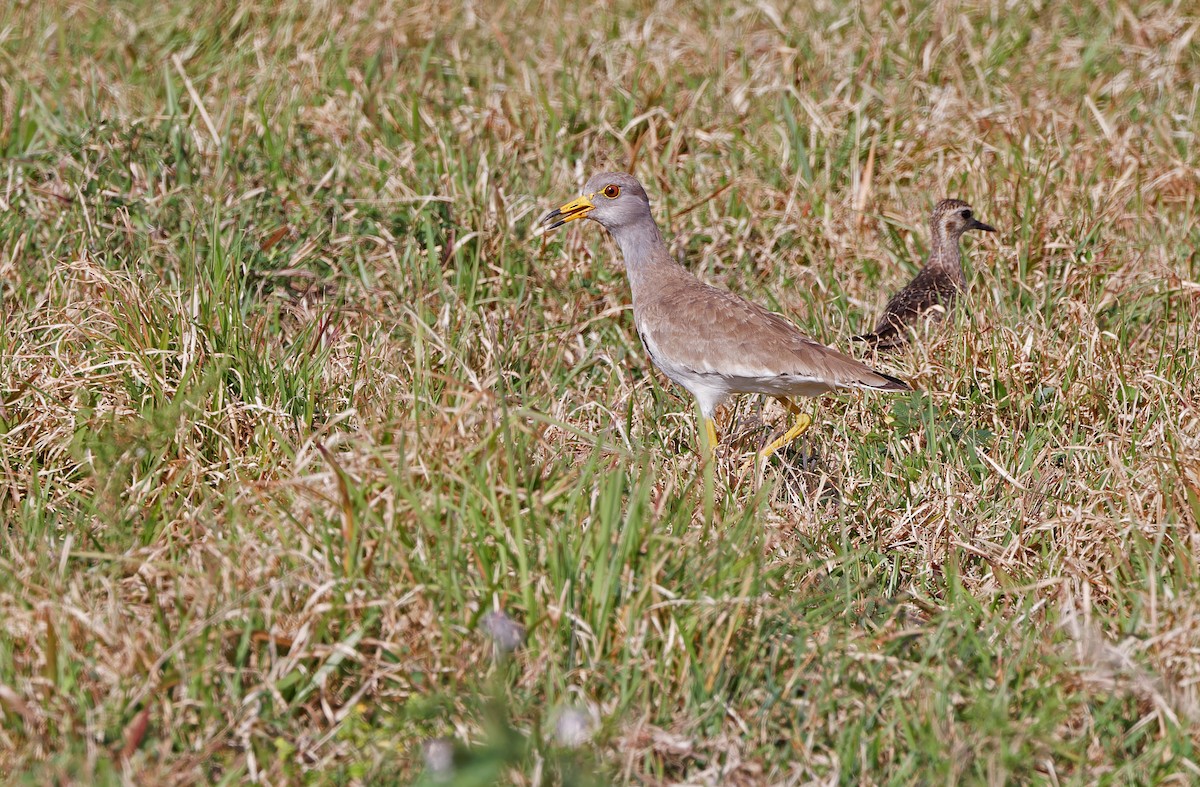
(292, 401)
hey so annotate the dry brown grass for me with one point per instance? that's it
(290, 398)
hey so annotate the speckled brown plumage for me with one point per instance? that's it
(933, 291)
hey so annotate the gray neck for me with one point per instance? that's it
(643, 247)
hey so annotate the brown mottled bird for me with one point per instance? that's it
(708, 340)
(932, 293)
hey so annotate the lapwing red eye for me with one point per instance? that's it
(612, 190)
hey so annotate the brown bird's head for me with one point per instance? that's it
(952, 217)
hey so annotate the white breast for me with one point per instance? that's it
(709, 390)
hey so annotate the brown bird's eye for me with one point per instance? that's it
(612, 190)
(967, 215)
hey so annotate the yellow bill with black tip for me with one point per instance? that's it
(575, 209)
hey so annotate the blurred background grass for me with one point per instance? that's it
(290, 397)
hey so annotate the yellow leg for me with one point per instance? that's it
(803, 421)
(789, 405)
(710, 434)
